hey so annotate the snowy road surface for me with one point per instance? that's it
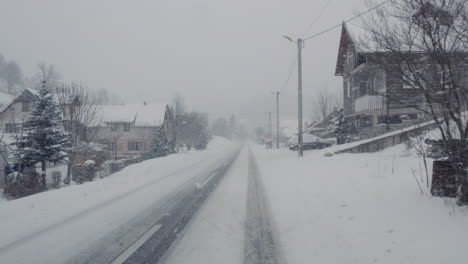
(234, 226)
(79, 223)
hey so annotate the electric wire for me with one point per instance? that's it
(348, 20)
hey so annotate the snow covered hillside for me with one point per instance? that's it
(360, 208)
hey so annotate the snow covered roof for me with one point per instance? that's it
(139, 114)
(357, 34)
(5, 100)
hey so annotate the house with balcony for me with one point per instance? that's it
(367, 87)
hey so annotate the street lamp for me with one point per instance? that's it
(277, 93)
(300, 44)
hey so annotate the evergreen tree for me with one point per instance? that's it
(44, 140)
(338, 126)
(160, 146)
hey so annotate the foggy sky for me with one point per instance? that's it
(222, 56)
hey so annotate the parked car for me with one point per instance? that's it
(310, 146)
(310, 142)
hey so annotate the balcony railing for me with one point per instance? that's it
(368, 102)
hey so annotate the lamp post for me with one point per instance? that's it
(300, 44)
(277, 93)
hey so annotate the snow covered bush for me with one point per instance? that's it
(84, 172)
(22, 184)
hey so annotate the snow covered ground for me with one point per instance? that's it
(359, 208)
(51, 227)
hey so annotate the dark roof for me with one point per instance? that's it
(345, 41)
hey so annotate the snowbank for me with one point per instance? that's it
(360, 208)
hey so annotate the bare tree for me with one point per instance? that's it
(423, 44)
(179, 109)
(324, 103)
(79, 112)
(422, 149)
(47, 76)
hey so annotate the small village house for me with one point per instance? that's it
(367, 110)
(129, 130)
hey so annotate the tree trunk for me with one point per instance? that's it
(69, 170)
(427, 173)
(43, 175)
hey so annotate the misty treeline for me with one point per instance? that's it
(229, 128)
(13, 81)
(11, 76)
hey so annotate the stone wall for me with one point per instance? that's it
(383, 141)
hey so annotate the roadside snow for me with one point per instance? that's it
(360, 208)
(52, 226)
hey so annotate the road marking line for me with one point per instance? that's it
(207, 180)
(130, 250)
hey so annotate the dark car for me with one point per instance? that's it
(311, 145)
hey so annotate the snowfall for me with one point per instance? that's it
(347, 208)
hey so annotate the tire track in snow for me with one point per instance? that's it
(261, 243)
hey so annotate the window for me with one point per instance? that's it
(136, 146)
(114, 127)
(408, 80)
(393, 119)
(11, 128)
(350, 58)
(445, 79)
(378, 82)
(367, 121)
(126, 126)
(348, 88)
(26, 106)
(363, 88)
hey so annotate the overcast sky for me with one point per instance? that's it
(222, 56)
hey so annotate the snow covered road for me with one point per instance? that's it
(235, 225)
(72, 224)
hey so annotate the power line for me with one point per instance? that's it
(322, 11)
(291, 70)
(351, 19)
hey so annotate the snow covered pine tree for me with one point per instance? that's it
(44, 140)
(160, 146)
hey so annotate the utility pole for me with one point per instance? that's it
(299, 98)
(269, 118)
(277, 93)
(300, 144)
